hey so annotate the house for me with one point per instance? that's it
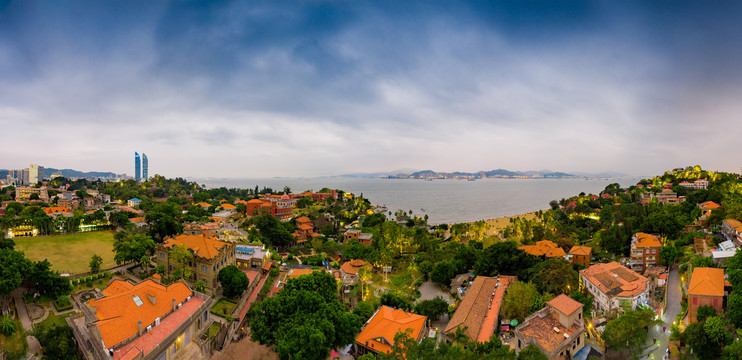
(557, 329)
(707, 208)
(701, 184)
(581, 255)
(228, 208)
(209, 256)
(377, 335)
(55, 211)
(203, 205)
(282, 206)
(687, 185)
(645, 251)
(251, 257)
(479, 312)
(361, 237)
(71, 203)
(545, 248)
(138, 221)
(140, 321)
(732, 230)
(133, 202)
(726, 250)
(350, 269)
(304, 229)
(706, 288)
(667, 196)
(366, 239)
(614, 287)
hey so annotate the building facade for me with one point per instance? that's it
(557, 329)
(614, 287)
(645, 251)
(137, 167)
(209, 256)
(581, 255)
(35, 174)
(25, 192)
(145, 167)
(706, 288)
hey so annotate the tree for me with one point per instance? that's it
(503, 258)
(162, 225)
(131, 247)
(95, 262)
(734, 307)
(144, 262)
(716, 330)
(6, 243)
(531, 352)
(273, 231)
(695, 336)
(626, 332)
(433, 308)
(520, 300)
(47, 281)
(669, 254)
(233, 280)
(200, 286)
(705, 311)
(58, 342)
(13, 265)
(305, 319)
(555, 276)
(7, 325)
(181, 256)
(396, 301)
(363, 310)
(443, 272)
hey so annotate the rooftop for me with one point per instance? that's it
(204, 246)
(613, 279)
(482, 302)
(644, 240)
(581, 250)
(541, 329)
(353, 267)
(565, 304)
(378, 333)
(707, 281)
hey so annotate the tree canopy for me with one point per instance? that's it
(233, 281)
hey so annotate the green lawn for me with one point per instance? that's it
(223, 308)
(70, 253)
(54, 320)
(14, 345)
(213, 330)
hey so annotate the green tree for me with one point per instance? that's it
(395, 300)
(669, 254)
(443, 272)
(305, 319)
(95, 262)
(432, 308)
(503, 258)
(556, 276)
(363, 310)
(6, 243)
(273, 231)
(162, 224)
(233, 280)
(520, 300)
(734, 307)
(47, 281)
(626, 332)
(200, 286)
(716, 330)
(13, 265)
(131, 247)
(58, 342)
(531, 352)
(705, 311)
(695, 336)
(7, 325)
(181, 256)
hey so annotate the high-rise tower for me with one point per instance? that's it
(136, 167)
(145, 167)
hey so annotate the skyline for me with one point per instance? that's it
(225, 89)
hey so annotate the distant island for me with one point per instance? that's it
(496, 174)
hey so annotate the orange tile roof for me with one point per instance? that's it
(202, 245)
(295, 273)
(707, 281)
(581, 250)
(228, 206)
(303, 220)
(709, 205)
(734, 224)
(533, 250)
(353, 267)
(378, 333)
(546, 243)
(555, 252)
(305, 227)
(615, 280)
(137, 219)
(118, 313)
(479, 310)
(56, 209)
(565, 304)
(541, 330)
(241, 202)
(203, 204)
(543, 247)
(647, 240)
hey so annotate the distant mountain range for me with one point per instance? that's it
(68, 173)
(498, 173)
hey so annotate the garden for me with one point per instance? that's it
(223, 308)
(69, 253)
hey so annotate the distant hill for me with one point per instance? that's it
(498, 173)
(68, 173)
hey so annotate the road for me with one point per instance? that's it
(657, 351)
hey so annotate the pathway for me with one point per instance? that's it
(20, 306)
(252, 297)
(673, 308)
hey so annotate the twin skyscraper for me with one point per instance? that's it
(141, 170)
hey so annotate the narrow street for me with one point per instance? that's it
(653, 350)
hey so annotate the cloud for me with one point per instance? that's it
(268, 89)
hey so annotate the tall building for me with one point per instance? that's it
(137, 166)
(145, 167)
(24, 176)
(35, 174)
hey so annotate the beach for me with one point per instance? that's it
(497, 225)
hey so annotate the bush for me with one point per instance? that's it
(63, 303)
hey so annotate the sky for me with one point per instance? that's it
(313, 88)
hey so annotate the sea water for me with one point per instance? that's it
(444, 201)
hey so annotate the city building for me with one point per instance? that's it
(667, 196)
(645, 251)
(479, 312)
(706, 288)
(133, 202)
(251, 257)
(35, 174)
(377, 335)
(361, 237)
(146, 321)
(137, 167)
(732, 230)
(209, 256)
(145, 167)
(701, 184)
(281, 206)
(581, 255)
(557, 329)
(614, 287)
(24, 193)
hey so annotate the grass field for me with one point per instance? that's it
(14, 345)
(69, 253)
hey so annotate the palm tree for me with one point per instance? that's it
(7, 326)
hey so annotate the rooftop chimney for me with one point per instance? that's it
(139, 326)
(173, 304)
(152, 298)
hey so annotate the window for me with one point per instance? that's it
(716, 302)
(138, 301)
(695, 300)
(204, 268)
(162, 255)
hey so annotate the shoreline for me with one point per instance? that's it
(496, 225)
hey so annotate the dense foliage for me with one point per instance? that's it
(233, 280)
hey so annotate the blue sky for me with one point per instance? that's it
(255, 89)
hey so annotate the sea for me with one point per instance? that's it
(444, 201)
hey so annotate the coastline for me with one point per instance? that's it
(496, 225)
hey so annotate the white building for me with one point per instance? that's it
(615, 287)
